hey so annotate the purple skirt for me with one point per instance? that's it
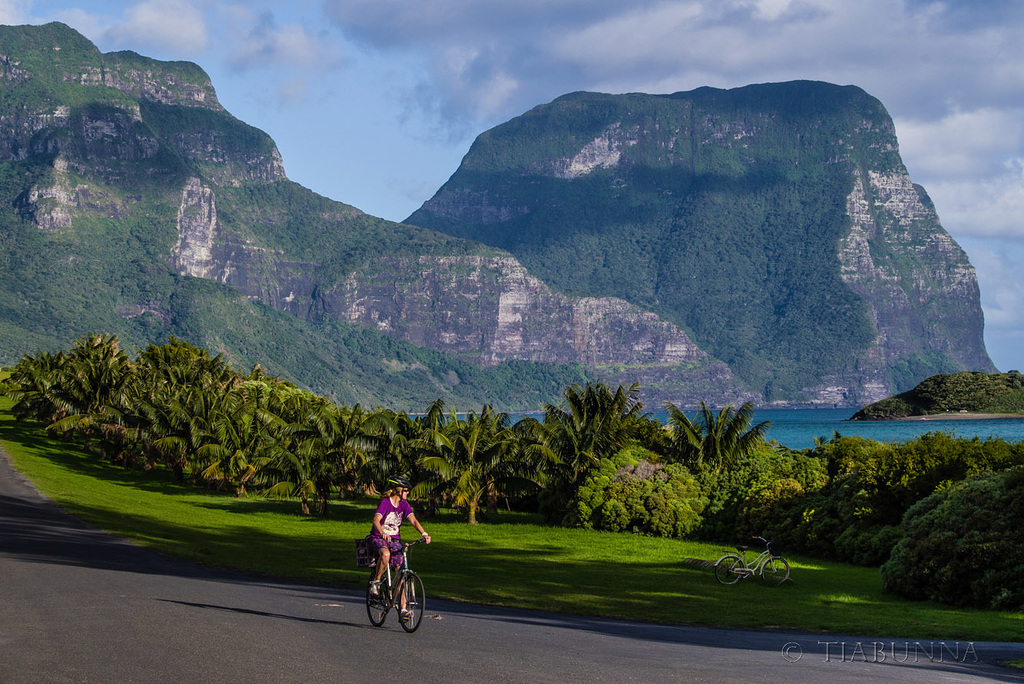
(394, 546)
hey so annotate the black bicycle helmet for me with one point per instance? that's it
(400, 481)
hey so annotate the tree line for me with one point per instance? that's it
(176, 406)
(595, 460)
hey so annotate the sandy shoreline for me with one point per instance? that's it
(966, 416)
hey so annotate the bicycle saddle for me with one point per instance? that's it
(742, 548)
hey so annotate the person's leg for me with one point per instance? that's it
(383, 558)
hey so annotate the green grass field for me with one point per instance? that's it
(512, 560)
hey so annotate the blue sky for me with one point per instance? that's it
(374, 102)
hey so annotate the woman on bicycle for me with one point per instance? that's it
(385, 537)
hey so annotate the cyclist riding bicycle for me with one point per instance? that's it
(385, 537)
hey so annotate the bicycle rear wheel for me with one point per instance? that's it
(775, 571)
(726, 569)
(415, 601)
(377, 607)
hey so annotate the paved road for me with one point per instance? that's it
(79, 605)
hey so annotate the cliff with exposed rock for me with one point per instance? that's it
(625, 238)
(130, 185)
(775, 223)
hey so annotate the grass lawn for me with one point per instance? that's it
(512, 560)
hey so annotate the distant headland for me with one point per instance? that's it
(954, 396)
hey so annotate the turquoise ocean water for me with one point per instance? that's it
(797, 428)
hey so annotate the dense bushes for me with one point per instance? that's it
(751, 496)
(964, 545)
(630, 493)
(853, 509)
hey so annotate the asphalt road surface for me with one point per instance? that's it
(79, 605)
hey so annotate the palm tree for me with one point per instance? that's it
(591, 423)
(34, 382)
(319, 452)
(240, 438)
(396, 443)
(714, 441)
(476, 459)
(179, 364)
(93, 393)
(180, 385)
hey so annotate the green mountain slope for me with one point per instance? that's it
(96, 150)
(736, 215)
(764, 243)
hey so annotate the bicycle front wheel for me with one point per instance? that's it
(727, 569)
(377, 607)
(775, 571)
(415, 601)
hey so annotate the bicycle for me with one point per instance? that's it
(391, 589)
(773, 568)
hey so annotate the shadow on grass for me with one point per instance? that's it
(76, 459)
(540, 575)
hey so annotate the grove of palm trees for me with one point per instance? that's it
(596, 460)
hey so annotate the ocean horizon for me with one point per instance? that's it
(798, 428)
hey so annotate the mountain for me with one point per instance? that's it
(775, 224)
(132, 202)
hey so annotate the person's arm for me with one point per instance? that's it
(377, 517)
(419, 528)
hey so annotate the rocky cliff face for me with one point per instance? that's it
(488, 309)
(776, 223)
(917, 279)
(134, 141)
(141, 153)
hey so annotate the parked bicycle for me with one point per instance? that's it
(772, 567)
(401, 589)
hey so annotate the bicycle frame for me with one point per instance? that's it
(390, 577)
(392, 581)
(755, 567)
(770, 565)
(398, 586)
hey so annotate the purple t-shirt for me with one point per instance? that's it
(391, 517)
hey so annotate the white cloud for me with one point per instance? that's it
(1002, 297)
(961, 143)
(918, 57)
(292, 90)
(89, 25)
(14, 12)
(165, 25)
(771, 9)
(990, 207)
(258, 42)
(498, 90)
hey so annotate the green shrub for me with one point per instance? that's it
(759, 514)
(964, 545)
(867, 545)
(870, 486)
(735, 492)
(629, 492)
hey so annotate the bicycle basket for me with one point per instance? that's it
(365, 558)
(775, 548)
